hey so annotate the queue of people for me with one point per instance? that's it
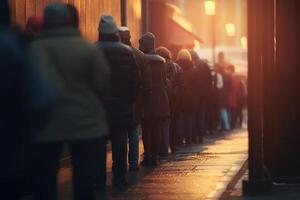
(70, 91)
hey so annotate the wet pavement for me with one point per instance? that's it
(197, 172)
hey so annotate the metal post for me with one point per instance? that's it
(145, 16)
(124, 12)
(213, 40)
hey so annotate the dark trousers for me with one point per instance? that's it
(118, 138)
(173, 134)
(200, 123)
(233, 117)
(239, 116)
(188, 125)
(152, 131)
(85, 155)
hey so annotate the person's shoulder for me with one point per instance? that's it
(115, 46)
(155, 58)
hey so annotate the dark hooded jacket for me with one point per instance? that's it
(204, 77)
(190, 79)
(146, 79)
(158, 105)
(125, 81)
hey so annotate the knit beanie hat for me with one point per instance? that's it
(107, 25)
(184, 54)
(34, 24)
(56, 15)
(125, 35)
(147, 41)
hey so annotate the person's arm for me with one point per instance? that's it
(220, 82)
(100, 72)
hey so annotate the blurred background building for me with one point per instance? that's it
(176, 23)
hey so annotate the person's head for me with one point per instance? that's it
(221, 57)
(73, 16)
(4, 14)
(108, 30)
(125, 35)
(231, 69)
(147, 43)
(194, 54)
(164, 52)
(184, 54)
(56, 15)
(34, 25)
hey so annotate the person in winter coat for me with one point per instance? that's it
(81, 76)
(224, 95)
(175, 90)
(241, 101)
(233, 95)
(143, 97)
(157, 112)
(204, 90)
(190, 95)
(25, 94)
(125, 86)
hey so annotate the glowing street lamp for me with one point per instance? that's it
(210, 10)
(244, 42)
(210, 7)
(230, 29)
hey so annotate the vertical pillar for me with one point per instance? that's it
(123, 12)
(260, 15)
(145, 16)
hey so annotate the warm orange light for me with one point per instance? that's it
(210, 7)
(230, 29)
(197, 45)
(137, 9)
(244, 42)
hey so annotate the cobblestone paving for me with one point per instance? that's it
(198, 172)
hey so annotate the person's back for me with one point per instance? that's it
(81, 77)
(159, 107)
(159, 104)
(71, 60)
(157, 112)
(190, 80)
(124, 79)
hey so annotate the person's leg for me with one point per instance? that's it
(225, 119)
(202, 122)
(180, 129)
(100, 165)
(119, 151)
(146, 134)
(46, 166)
(165, 139)
(173, 136)
(85, 156)
(189, 125)
(133, 153)
(156, 134)
(196, 127)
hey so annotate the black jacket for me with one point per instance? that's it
(124, 82)
(191, 88)
(204, 79)
(158, 106)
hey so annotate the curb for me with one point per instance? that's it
(226, 194)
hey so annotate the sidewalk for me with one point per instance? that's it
(198, 172)
(278, 192)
